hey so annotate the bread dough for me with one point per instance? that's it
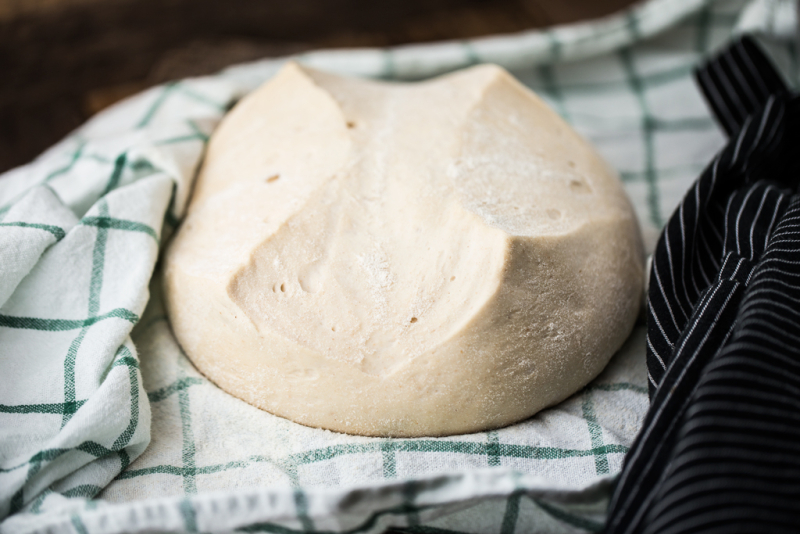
(391, 259)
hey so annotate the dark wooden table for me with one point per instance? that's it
(63, 60)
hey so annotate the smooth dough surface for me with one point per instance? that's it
(389, 259)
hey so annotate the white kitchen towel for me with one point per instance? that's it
(105, 426)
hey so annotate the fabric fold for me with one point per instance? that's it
(33, 224)
(80, 235)
(718, 450)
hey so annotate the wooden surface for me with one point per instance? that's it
(63, 60)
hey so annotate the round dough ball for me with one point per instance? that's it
(391, 259)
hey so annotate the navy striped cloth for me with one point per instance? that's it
(719, 450)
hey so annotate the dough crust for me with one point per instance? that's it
(390, 259)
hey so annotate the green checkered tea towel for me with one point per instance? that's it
(105, 426)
